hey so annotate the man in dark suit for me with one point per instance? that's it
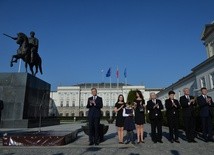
(206, 105)
(188, 108)
(95, 103)
(172, 113)
(155, 106)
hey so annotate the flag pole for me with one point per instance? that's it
(108, 74)
(20, 63)
(125, 75)
(110, 97)
(117, 83)
(102, 77)
(110, 82)
(117, 74)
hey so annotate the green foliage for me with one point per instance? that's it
(131, 96)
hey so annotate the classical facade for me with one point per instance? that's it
(202, 75)
(72, 100)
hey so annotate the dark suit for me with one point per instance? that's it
(206, 113)
(188, 116)
(172, 114)
(94, 115)
(156, 117)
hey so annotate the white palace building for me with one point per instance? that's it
(201, 75)
(72, 100)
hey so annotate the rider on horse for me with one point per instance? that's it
(22, 50)
(34, 42)
(27, 51)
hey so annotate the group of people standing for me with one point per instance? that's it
(131, 116)
(125, 120)
(187, 103)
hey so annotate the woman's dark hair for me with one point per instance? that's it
(140, 94)
(171, 92)
(119, 98)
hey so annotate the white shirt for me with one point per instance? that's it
(94, 97)
(125, 114)
(154, 100)
(205, 96)
(187, 96)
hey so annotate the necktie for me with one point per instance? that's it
(188, 98)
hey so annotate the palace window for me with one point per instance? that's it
(81, 104)
(179, 94)
(67, 103)
(61, 104)
(107, 103)
(203, 82)
(212, 80)
(73, 103)
(67, 114)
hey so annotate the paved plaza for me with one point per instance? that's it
(110, 145)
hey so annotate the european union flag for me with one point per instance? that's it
(108, 74)
(125, 73)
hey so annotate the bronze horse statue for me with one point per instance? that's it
(24, 53)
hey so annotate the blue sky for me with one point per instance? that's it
(158, 41)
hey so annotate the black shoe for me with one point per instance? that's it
(160, 141)
(138, 142)
(205, 138)
(121, 143)
(155, 141)
(211, 140)
(171, 141)
(193, 141)
(91, 143)
(96, 144)
(127, 142)
(177, 141)
(142, 141)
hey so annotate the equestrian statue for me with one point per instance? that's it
(27, 51)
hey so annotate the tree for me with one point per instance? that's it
(131, 96)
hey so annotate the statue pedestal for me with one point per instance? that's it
(25, 97)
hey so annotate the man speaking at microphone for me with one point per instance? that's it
(95, 103)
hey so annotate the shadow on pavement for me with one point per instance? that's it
(91, 150)
(109, 136)
(174, 152)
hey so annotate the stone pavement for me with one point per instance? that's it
(111, 146)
